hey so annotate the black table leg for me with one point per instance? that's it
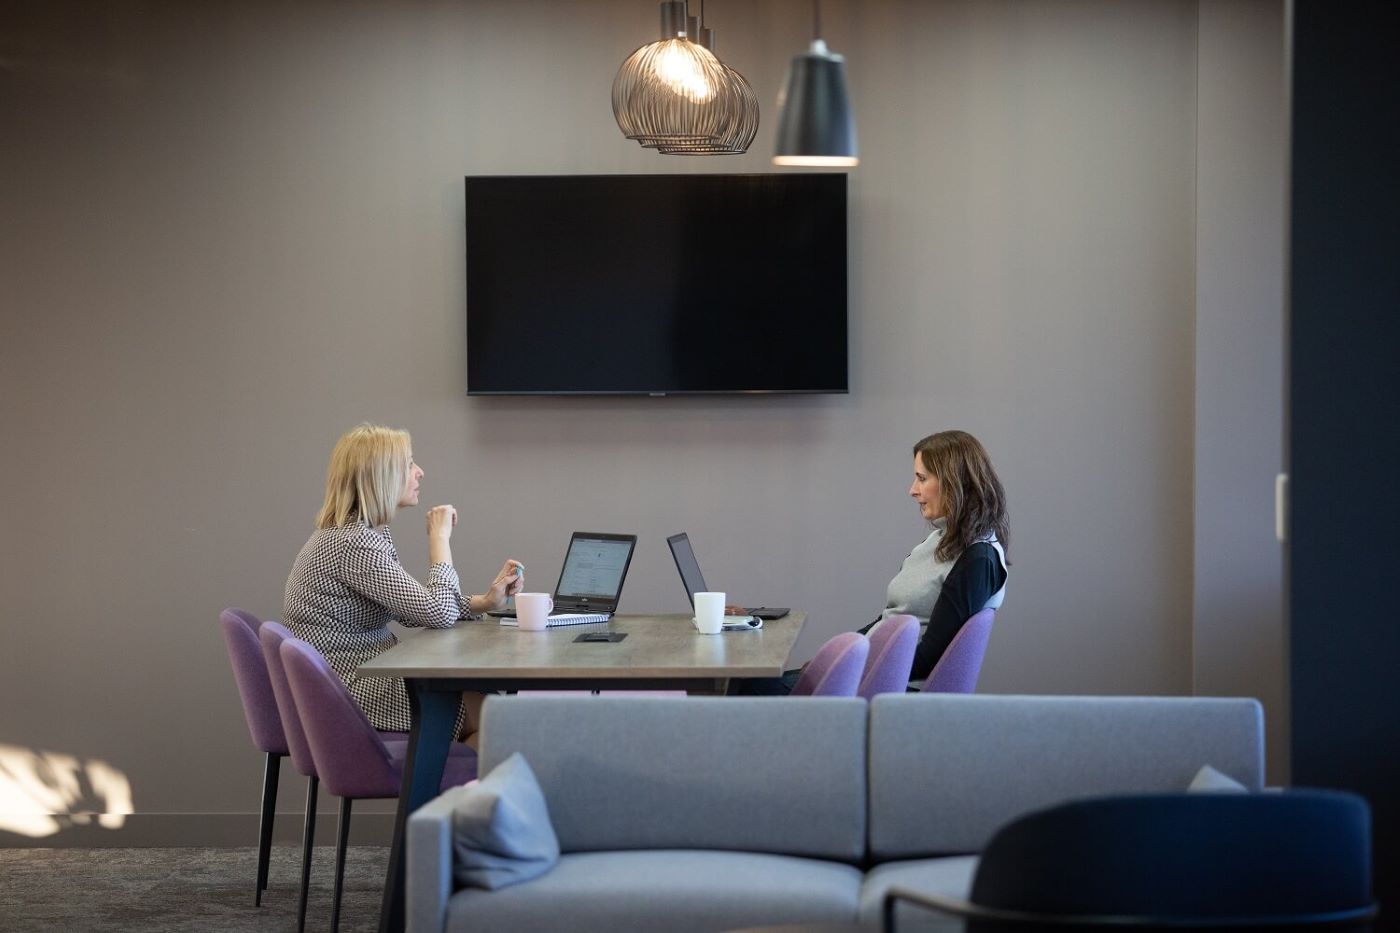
(434, 714)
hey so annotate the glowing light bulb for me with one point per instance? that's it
(678, 67)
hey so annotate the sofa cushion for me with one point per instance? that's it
(1210, 781)
(950, 876)
(784, 775)
(676, 891)
(947, 770)
(501, 834)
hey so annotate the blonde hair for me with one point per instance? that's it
(369, 466)
(972, 493)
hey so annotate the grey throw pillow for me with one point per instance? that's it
(501, 833)
(1210, 781)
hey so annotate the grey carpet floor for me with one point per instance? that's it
(170, 890)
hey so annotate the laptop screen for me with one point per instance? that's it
(689, 567)
(594, 568)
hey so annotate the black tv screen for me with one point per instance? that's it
(656, 284)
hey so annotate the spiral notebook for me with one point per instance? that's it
(565, 618)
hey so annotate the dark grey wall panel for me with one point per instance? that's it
(1344, 410)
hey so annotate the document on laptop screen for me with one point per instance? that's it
(594, 568)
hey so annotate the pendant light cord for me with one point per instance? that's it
(816, 20)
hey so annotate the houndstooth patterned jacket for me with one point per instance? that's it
(346, 586)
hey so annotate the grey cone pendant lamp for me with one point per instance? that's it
(817, 126)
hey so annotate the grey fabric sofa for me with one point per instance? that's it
(707, 814)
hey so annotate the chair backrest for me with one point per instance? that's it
(254, 686)
(836, 670)
(958, 669)
(272, 635)
(351, 759)
(1219, 859)
(892, 644)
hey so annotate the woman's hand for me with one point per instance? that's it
(507, 583)
(441, 520)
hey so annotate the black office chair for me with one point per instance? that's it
(1204, 861)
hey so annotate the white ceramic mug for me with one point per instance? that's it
(709, 612)
(532, 611)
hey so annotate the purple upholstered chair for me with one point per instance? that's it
(892, 644)
(957, 670)
(351, 758)
(264, 724)
(272, 635)
(837, 668)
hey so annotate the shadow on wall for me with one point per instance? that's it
(43, 793)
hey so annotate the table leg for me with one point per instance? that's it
(434, 714)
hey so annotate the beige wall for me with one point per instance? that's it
(231, 231)
(1240, 185)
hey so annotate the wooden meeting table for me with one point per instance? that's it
(659, 652)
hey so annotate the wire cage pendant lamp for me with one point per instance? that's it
(675, 96)
(740, 133)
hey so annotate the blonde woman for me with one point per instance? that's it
(347, 584)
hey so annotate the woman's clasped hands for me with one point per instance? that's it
(441, 520)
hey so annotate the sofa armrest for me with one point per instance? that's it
(428, 861)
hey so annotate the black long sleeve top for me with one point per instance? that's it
(976, 577)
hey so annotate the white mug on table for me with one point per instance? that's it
(709, 613)
(532, 611)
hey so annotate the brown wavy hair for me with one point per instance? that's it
(973, 496)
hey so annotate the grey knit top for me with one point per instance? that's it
(915, 589)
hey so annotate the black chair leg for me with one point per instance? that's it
(308, 836)
(269, 808)
(342, 837)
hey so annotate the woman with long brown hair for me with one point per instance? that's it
(960, 568)
(954, 573)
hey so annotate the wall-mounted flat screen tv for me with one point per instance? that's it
(656, 284)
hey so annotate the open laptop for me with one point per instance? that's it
(694, 580)
(590, 582)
